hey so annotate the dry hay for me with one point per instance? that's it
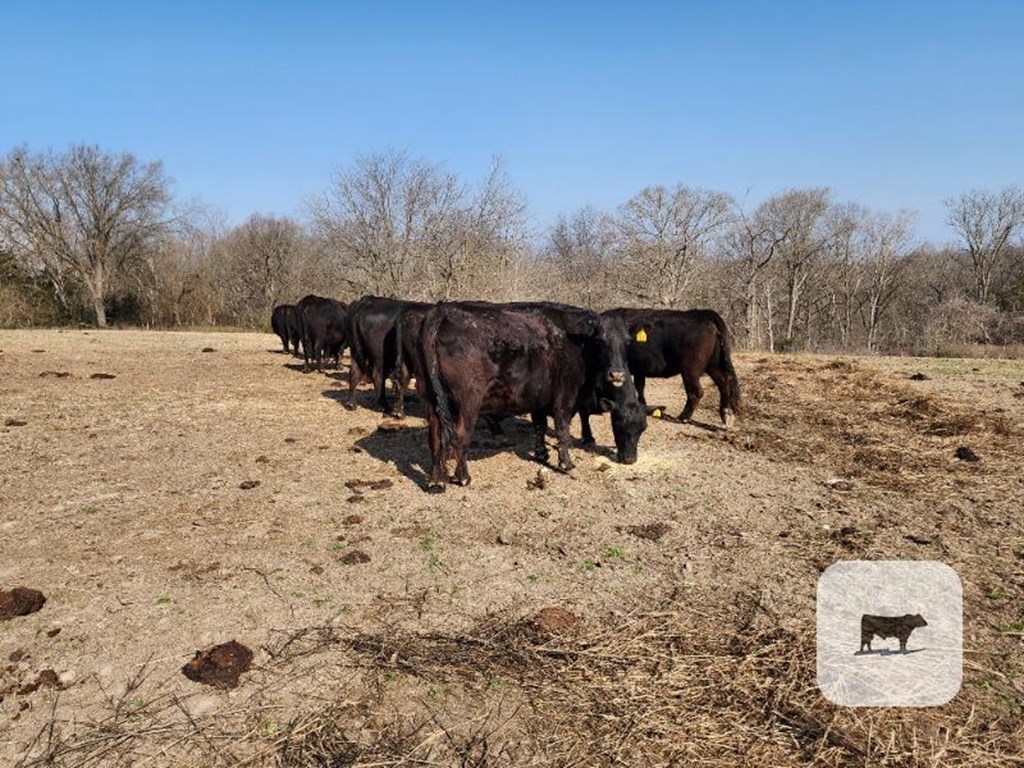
(868, 424)
(661, 686)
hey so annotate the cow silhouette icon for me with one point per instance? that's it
(888, 626)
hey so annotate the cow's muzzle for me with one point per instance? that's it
(616, 378)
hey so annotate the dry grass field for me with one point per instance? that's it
(687, 581)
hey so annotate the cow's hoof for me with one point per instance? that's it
(541, 457)
(566, 468)
(588, 440)
(350, 406)
(397, 415)
(463, 481)
(435, 487)
(729, 419)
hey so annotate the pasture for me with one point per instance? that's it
(394, 627)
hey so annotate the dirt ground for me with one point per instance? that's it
(210, 491)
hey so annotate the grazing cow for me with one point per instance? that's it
(666, 342)
(375, 349)
(279, 322)
(889, 626)
(608, 386)
(498, 360)
(324, 329)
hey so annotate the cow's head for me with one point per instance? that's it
(629, 420)
(917, 620)
(613, 341)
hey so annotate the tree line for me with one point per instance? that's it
(94, 237)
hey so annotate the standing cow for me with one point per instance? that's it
(668, 342)
(498, 360)
(279, 322)
(375, 349)
(885, 627)
(608, 386)
(324, 329)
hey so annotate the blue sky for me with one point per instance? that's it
(895, 105)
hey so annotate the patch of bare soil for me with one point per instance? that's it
(695, 569)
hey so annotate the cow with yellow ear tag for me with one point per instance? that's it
(688, 344)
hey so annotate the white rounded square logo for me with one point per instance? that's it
(890, 633)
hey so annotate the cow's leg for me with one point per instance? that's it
(438, 474)
(640, 381)
(355, 375)
(380, 379)
(318, 354)
(465, 422)
(724, 411)
(540, 430)
(587, 433)
(305, 354)
(694, 392)
(401, 381)
(562, 416)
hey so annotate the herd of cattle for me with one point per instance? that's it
(472, 358)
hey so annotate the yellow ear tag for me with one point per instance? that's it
(641, 335)
(656, 413)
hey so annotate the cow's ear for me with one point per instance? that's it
(607, 406)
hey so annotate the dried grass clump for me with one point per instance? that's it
(732, 683)
(901, 438)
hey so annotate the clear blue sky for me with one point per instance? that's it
(250, 105)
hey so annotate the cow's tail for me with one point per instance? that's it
(399, 352)
(432, 371)
(732, 381)
(355, 343)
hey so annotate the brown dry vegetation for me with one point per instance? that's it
(131, 503)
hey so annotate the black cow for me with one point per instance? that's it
(603, 341)
(324, 329)
(279, 322)
(667, 342)
(608, 385)
(375, 346)
(889, 626)
(500, 360)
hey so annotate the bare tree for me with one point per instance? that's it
(988, 222)
(405, 227)
(472, 235)
(580, 251)
(800, 213)
(260, 261)
(752, 243)
(662, 233)
(83, 216)
(888, 244)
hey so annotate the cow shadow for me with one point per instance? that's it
(367, 400)
(888, 652)
(707, 426)
(405, 445)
